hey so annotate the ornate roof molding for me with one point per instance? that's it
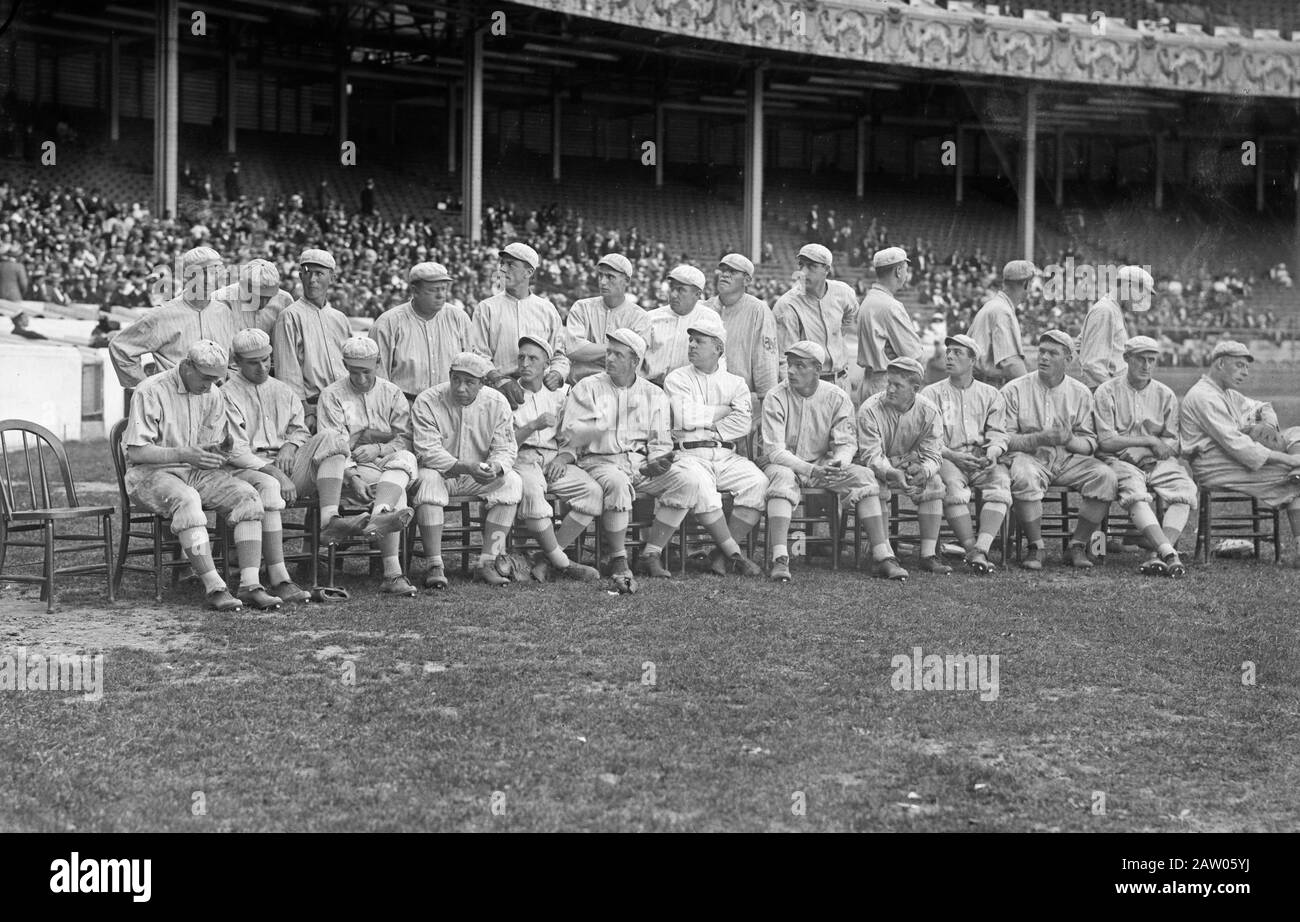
(1103, 53)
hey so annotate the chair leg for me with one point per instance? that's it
(332, 554)
(1254, 519)
(122, 545)
(108, 555)
(1277, 536)
(49, 567)
(157, 561)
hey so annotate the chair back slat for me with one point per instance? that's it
(36, 445)
(115, 449)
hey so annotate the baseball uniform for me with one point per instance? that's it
(973, 420)
(307, 343)
(500, 320)
(824, 321)
(1119, 409)
(911, 439)
(1101, 343)
(415, 353)
(751, 342)
(575, 487)
(996, 330)
(668, 341)
(589, 320)
(447, 434)
(800, 432)
(1032, 406)
(245, 309)
(885, 332)
(380, 416)
(167, 332)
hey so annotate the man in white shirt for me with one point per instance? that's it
(668, 337)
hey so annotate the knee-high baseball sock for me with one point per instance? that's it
(273, 547)
(248, 548)
(716, 525)
(329, 486)
(1145, 519)
(1030, 514)
(991, 517)
(496, 531)
(194, 542)
(614, 524)
(742, 522)
(929, 514)
(1091, 512)
(542, 530)
(574, 524)
(958, 515)
(429, 519)
(667, 520)
(872, 522)
(779, 513)
(1176, 517)
(389, 489)
(388, 545)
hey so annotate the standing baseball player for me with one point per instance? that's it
(617, 425)
(590, 320)
(272, 417)
(418, 338)
(502, 319)
(309, 334)
(181, 447)
(542, 467)
(900, 439)
(168, 331)
(809, 440)
(256, 299)
(668, 337)
(1235, 443)
(820, 310)
(1104, 333)
(711, 410)
(1137, 435)
(1051, 442)
(465, 443)
(885, 329)
(374, 416)
(996, 328)
(975, 439)
(751, 330)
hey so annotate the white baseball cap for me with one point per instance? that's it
(618, 262)
(889, 256)
(317, 257)
(361, 350)
(251, 343)
(209, 357)
(688, 275)
(630, 338)
(428, 272)
(817, 253)
(522, 252)
(708, 323)
(738, 262)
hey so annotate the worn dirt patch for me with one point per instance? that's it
(76, 628)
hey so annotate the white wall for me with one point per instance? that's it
(42, 383)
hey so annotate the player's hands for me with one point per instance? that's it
(1056, 435)
(365, 454)
(202, 459)
(545, 420)
(360, 488)
(284, 458)
(553, 381)
(991, 457)
(658, 466)
(287, 490)
(896, 479)
(557, 466)
(965, 461)
(1159, 448)
(485, 472)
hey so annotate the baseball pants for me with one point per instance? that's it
(183, 493)
(575, 487)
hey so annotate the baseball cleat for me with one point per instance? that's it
(621, 576)
(579, 572)
(388, 522)
(889, 568)
(222, 600)
(780, 572)
(1079, 557)
(978, 561)
(259, 598)
(397, 585)
(717, 563)
(1153, 566)
(341, 528)
(1175, 566)
(290, 592)
(743, 566)
(435, 577)
(934, 565)
(540, 567)
(488, 573)
(651, 565)
(1033, 559)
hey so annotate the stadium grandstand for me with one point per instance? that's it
(1161, 134)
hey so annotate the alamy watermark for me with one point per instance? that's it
(952, 672)
(1075, 281)
(67, 672)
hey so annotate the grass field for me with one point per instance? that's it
(697, 704)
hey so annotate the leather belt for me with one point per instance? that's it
(707, 443)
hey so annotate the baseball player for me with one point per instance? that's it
(751, 329)
(975, 439)
(168, 331)
(419, 338)
(591, 319)
(668, 340)
(1137, 435)
(309, 334)
(996, 329)
(272, 417)
(465, 443)
(885, 329)
(1051, 441)
(711, 409)
(1234, 442)
(256, 299)
(541, 466)
(502, 319)
(373, 414)
(181, 447)
(820, 310)
(809, 440)
(900, 439)
(1104, 334)
(617, 425)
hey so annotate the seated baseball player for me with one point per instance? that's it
(374, 416)
(809, 441)
(181, 446)
(711, 410)
(975, 437)
(273, 418)
(1234, 443)
(1051, 441)
(617, 425)
(900, 439)
(1137, 435)
(541, 466)
(465, 443)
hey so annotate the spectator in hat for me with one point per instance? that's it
(13, 275)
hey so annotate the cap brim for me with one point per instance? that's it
(213, 370)
(259, 354)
